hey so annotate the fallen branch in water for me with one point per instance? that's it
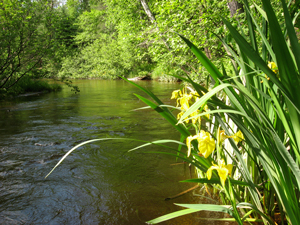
(181, 193)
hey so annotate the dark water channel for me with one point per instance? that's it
(101, 183)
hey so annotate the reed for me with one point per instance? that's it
(250, 148)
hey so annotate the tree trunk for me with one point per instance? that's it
(152, 19)
(206, 49)
(235, 7)
(148, 11)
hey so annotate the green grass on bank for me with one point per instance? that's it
(27, 84)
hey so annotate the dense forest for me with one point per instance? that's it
(104, 39)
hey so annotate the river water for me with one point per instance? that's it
(100, 183)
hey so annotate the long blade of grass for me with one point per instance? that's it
(148, 107)
(248, 205)
(211, 68)
(288, 74)
(287, 157)
(250, 25)
(172, 215)
(170, 118)
(156, 142)
(210, 207)
(84, 143)
(262, 34)
(202, 101)
(254, 56)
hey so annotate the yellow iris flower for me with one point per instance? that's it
(222, 136)
(206, 144)
(188, 143)
(195, 117)
(223, 171)
(176, 94)
(184, 100)
(237, 137)
(273, 67)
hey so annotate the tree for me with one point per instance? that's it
(116, 37)
(63, 43)
(25, 35)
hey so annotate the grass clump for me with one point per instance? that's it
(248, 148)
(26, 84)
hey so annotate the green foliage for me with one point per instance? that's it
(97, 60)
(25, 39)
(105, 39)
(101, 52)
(166, 72)
(30, 85)
(117, 38)
(27, 84)
(63, 41)
(262, 103)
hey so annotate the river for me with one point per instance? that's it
(100, 183)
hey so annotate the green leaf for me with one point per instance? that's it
(156, 142)
(167, 115)
(254, 56)
(172, 215)
(216, 181)
(79, 145)
(202, 101)
(213, 71)
(288, 74)
(248, 205)
(261, 11)
(210, 207)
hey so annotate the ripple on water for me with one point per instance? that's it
(100, 183)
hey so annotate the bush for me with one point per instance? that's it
(26, 84)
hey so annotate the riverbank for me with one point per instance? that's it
(27, 87)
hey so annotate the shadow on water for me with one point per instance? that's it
(101, 183)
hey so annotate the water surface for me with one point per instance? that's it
(101, 183)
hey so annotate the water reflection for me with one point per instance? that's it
(99, 184)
